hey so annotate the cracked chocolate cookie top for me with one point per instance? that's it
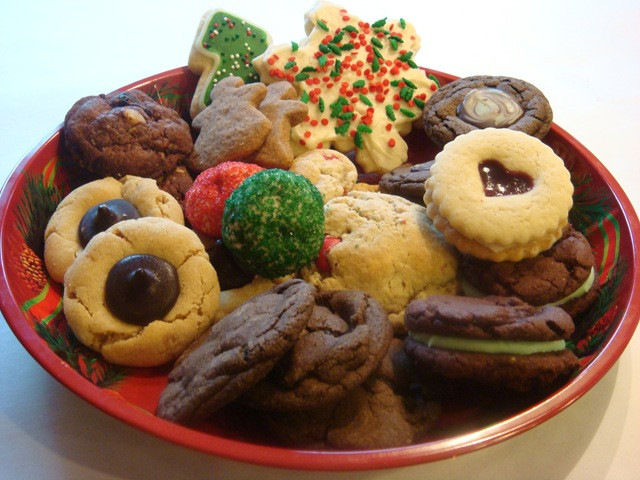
(548, 278)
(488, 318)
(342, 344)
(126, 133)
(485, 101)
(239, 351)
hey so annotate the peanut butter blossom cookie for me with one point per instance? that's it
(360, 82)
(273, 223)
(224, 46)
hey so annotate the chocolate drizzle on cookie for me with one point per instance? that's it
(489, 107)
(498, 180)
(100, 217)
(141, 288)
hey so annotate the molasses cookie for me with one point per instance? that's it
(140, 292)
(499, 194)
(239, 351)
(342, 344)
(563, 275)
(500, 342)
(486, 101)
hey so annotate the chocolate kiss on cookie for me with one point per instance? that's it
(239, 351)
(500, 342)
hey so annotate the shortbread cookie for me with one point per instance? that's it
(224, 45)
(239, 351)
(485, 101)
(331, 172)
(497, 342)
(123, 324)
(499, 194)
(362, 87)
(386, 246)
(343, 343)
(62, 241)
(126, 133)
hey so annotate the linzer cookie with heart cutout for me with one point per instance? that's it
(498, 194)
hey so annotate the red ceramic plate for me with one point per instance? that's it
(31, 304)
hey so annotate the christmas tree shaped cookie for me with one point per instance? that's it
(224, 46)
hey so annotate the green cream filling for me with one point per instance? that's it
(488, 346)
(584, 288)
(470, 291)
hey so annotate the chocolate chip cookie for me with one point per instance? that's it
(484, 101)
(126, 133)
(239, 351)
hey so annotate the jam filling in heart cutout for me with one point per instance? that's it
(498, 180)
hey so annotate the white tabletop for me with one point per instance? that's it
(583, 54)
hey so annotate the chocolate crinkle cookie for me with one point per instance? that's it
(485, 101)
(407, 181)
(563, 275)
(126, 133)
(342, 344)
(383, 412)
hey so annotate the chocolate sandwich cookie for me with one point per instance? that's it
(498, 342)
(381, 413)
(485, 101)
(407, 181)
(342, 344)
(563, 275)
(238, 352)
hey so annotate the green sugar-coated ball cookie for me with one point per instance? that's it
(273, 223)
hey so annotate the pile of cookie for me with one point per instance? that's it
(242, 246)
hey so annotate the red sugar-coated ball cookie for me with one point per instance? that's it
(204, 201)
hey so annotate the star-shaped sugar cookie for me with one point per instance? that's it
(359, 81)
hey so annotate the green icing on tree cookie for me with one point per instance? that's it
(225, 45)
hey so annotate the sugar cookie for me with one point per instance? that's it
(499, 194)
(224, 46)
(360, 83)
